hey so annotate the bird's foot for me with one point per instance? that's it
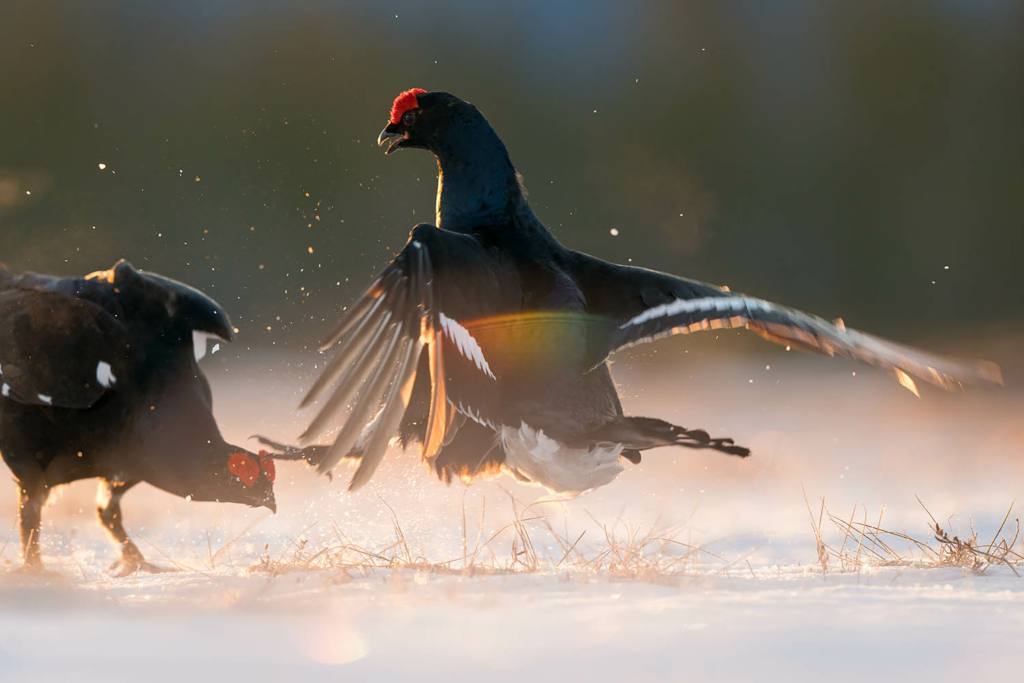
(313, 455)
(126, 566)
(698, 438)
(34, 569)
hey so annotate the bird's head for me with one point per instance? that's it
(476, 180)
(250, 478)
(425, 120)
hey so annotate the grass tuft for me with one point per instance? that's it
(870, 545)
(655, 554)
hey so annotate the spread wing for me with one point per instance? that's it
(647, 305)
(58, 350)
(412, 308)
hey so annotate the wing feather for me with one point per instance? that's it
(380, 341)
(803, 331)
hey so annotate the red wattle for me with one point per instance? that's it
(245, 467)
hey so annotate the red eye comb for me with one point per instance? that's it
(404, 102)
(243, 466)
(267, 463)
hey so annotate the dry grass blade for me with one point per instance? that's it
(952, 551)
(7, 540)
(571, 548)
(823, 550)
(649, 553)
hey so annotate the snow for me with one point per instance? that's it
(917, 625)
(764, 611)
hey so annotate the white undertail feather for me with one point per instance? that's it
(465, 342)
(532, 455)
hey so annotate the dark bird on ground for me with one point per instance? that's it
(486, 341)
(99, 377)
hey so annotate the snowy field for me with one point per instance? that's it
(691, 566)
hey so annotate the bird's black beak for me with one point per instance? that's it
(392, 132)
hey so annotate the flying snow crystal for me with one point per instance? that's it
(102, 165)
(614, 232)
(216, 348)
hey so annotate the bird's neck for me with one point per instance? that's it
(477, 185)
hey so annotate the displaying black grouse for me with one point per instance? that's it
(99, 378)
(486, 340)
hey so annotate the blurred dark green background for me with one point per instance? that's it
(835, 156)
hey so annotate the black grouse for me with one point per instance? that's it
(99, 378)
(485, 340)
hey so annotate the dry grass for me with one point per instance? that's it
(650, 553)
(655, 554)
(861, 544)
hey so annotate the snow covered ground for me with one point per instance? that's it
(924, 625)
(752, 604)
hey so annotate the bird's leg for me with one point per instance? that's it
(31, 498)
(311, 454)
(108, 500)
(632, 455)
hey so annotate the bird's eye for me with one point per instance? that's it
(409, 118)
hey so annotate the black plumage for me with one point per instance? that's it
(99, 378)
(497, 335)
